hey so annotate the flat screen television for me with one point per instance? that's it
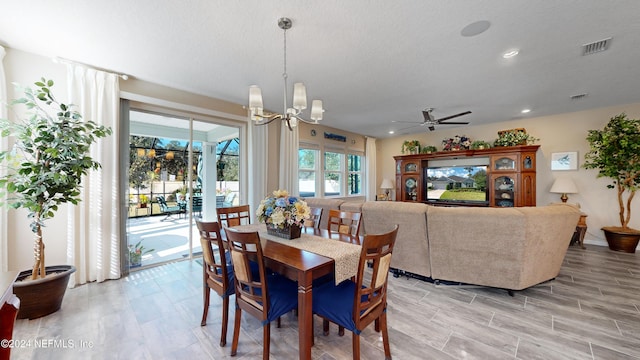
(459, 181)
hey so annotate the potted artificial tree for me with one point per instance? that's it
(44, 170)
(615, 152)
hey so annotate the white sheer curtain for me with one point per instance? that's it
(258, 160)
(94, 225)
(4, 146)
(288, 176)
(370, 169)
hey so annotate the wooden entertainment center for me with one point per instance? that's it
(510, 175)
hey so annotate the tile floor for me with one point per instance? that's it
(590, 311)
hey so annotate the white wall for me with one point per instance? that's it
(559, 133)
(25, 69)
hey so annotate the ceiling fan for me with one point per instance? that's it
(431, 122)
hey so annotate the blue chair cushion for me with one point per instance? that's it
(283, 295)
(335, 303)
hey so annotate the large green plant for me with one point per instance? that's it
(615, 152)
(48, 160)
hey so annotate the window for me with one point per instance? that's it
(354, 170)
(329, 173)
(307, 168)
(333, 173)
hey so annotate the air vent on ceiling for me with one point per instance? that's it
(597, 46)
(578, 96)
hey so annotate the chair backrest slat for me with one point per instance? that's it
(251, 292)
(215, 266)
(234, 215)
(344, 222)
(371, 293)
(314, 220)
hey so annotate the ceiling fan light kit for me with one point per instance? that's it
(290, 115)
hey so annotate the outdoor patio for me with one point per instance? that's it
(167, 237)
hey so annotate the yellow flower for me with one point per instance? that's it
(280, 193)
(302, 210)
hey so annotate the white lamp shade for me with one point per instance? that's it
(386, 184)
(316, 110)
(255, 99)
(564, 185)
(299, 96)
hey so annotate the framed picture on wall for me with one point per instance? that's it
(564, 160)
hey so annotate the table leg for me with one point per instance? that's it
(581, 232)
(305, 315)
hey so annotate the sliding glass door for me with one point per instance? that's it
(176, 174)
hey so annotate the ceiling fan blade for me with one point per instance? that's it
(407, 122)
(410, 127)
(453, 123)
(453, 116)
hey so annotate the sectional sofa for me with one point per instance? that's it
(509, 248)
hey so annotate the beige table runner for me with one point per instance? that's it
(345, 255)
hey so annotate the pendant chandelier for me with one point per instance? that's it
(290, 115)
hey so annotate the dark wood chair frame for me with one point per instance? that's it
(370, 297)
(252, 293)
(216, 272)
(234, 215)
(345, 222)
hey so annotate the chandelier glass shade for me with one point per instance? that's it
(290, 115)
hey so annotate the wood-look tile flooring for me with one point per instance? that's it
(591, 311)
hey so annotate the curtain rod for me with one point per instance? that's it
(59, 60)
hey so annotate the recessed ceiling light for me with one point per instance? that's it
(511, 53)
(392, 132)
(524, 111)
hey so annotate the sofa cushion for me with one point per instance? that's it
(411, 250)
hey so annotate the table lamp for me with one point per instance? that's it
(387, 185)
(564, 185)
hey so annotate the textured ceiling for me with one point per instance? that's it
(371, 62)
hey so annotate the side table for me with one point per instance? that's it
(581, 230)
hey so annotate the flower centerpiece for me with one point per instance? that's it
(284, 215)
(456, 143)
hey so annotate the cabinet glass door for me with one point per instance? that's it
(411, 188)
(504, 163)
(503, 191)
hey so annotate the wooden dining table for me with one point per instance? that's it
(302, 266)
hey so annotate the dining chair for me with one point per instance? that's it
(355, 304)
(218, 273)
(344, 222)
(314, 220)
(264, 295)
(234, 215)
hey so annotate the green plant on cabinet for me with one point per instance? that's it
(411, 146)
(513, 138)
